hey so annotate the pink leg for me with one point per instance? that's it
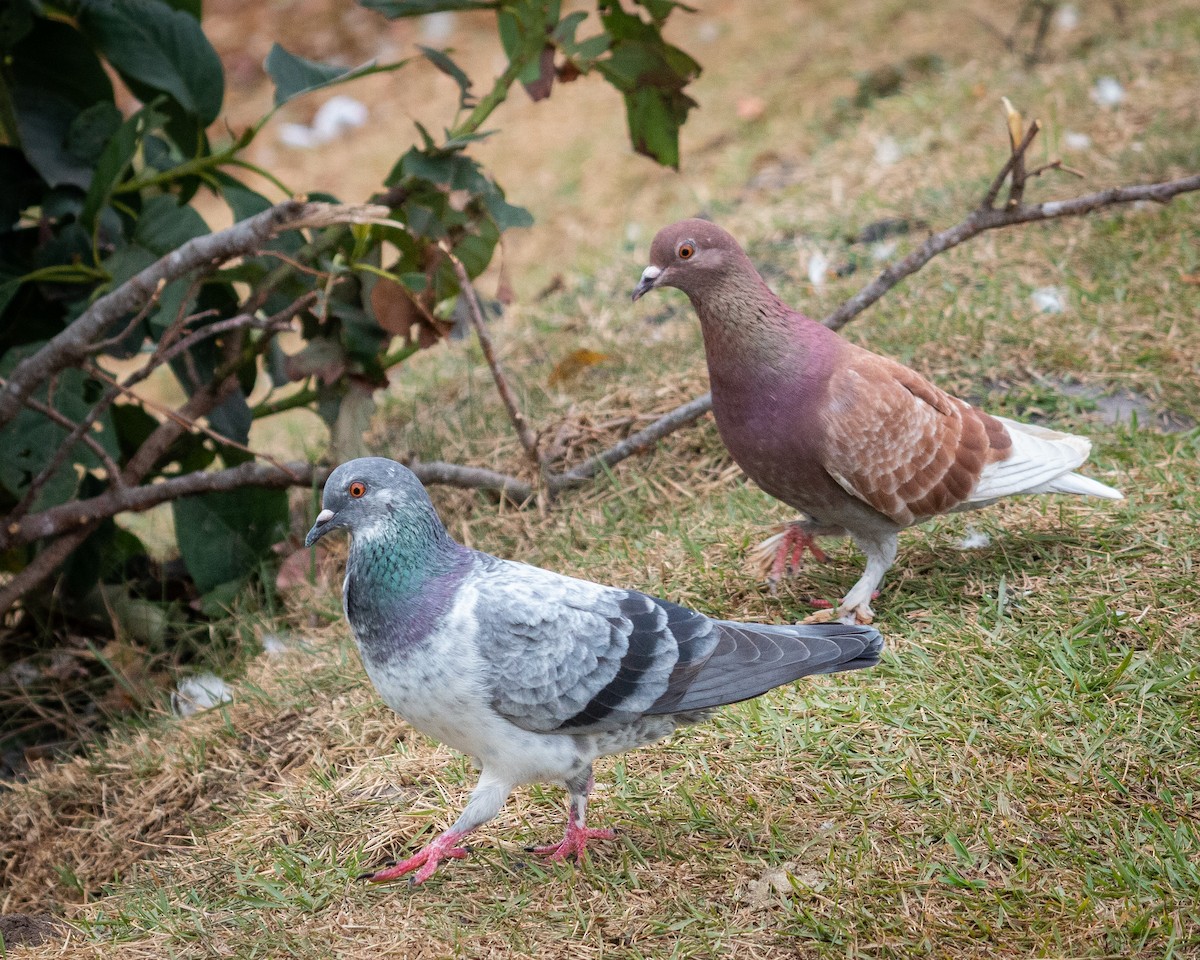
(821, 604)
(574, 842)
(790, 551)
(441, 848)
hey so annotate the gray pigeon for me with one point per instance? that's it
(531, 673)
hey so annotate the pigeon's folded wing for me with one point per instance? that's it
(574, 657)
(901, 445)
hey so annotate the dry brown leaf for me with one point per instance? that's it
(574, 363)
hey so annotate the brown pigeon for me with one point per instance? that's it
(860, 444)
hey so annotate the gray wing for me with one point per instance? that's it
(572, 656)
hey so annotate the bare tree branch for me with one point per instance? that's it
(74, 343)
(985, 219)
(527, 437)
(70, 516)
(71, 523)
(637, 443)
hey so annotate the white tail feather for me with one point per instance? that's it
(1042, 461)
(1077, 483)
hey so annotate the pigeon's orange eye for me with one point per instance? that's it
(357, 489)
(686, 249)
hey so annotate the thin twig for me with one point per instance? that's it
(1016, 187)
(186, 422)
(527, 437)
(985, 219)
(50, 413)
(138, 317)
(989, 198)
(637, 443)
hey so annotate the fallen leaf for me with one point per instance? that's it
(1191, 279)
(574, 363)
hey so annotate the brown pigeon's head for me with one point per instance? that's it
(692, 256)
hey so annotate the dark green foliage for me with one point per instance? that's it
(89, 198)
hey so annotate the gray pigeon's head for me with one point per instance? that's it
(692, 256)
(372, 492)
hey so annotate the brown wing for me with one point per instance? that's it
(900, 444)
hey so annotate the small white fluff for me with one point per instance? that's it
(1066, 17)
(1049, 299)
(201, 692)
(336, 116)
(275, 644)
(884, 249)
(818, 267)
(973, 540)
(1077, 141)
(887, 152)
(1108, 92)
(437, 27)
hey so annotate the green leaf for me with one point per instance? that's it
(659, 10)
(116, 158)
(44, 120)
(16, 23)
(395, 9)
(150, 42)
(475, 250)
(56, 58)
(506, 215)
(293, 75)
(165, 225)
(442, 61)
(225, 536)
(654, 126)
(91, 129)
(30, 440)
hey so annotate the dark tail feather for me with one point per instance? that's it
(750, 659)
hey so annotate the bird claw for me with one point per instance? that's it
(781, 554)
(574, 843)
(424, 861)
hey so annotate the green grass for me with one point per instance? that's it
(1020, 776)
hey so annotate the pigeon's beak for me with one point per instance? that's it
(650, 279)
(320, 528)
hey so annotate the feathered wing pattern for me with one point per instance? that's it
(573, 657)
(901, 445)
(910, 450)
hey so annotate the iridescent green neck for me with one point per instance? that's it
(400, 554)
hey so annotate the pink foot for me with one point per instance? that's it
(789, 551)
(441, 848)
(819, 603)
(574, 842)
